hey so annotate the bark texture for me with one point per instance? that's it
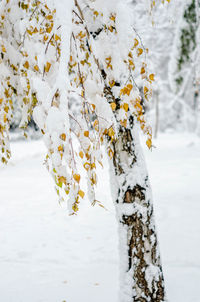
(141, 271)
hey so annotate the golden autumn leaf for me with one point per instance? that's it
(3, 48)
(95, 123)
(60, 148)
(130, 86)
(136, 42)
(36, 67)
(145, 90)
(77, 177)
(4, 118)
(86, 166)
(75, 207)
(112, 83)
(81, 193)
(96, 13)
(111, 132)
(48, 29)
(47, 67)
(49, 17)
(112, 18)
(6, 108)
(123, 123)
(125, 106)
(58, 38)
(94, 179)
(62, 179)
(86, 133)
(35, 30)
(26, 65)
(110, 153)
(93, 166)
(149, 143)
(139, 51)
(113, 106)
(45, 38)
(142, 70)
(81, 154)
(63, 136)
(151, 77)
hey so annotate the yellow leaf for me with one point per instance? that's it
(149, 143)
(35, 30)
(45, 38)
(130, 86)
(81, 193)
(136, 42)
(4, 118)
(111, 132)
(112, 83)
(49, 17)
(62, 179)
(29, 32)
(36, 68)
(77, 177)
(93, 106)
(151, 77)
(60, 148)
(63, 136)
(95, 13)
(94, 179)
(113, 106)
(26, 65)
(93, 165)
(3, 48)
(110, 153)
(95, 123)
(58, 38)
(124, 123)
(6, 108)
(75, 207)
(48, 29)
(125, 106)
(81, 154)
(112, 18)
(139, 51)
(47, 67)
(110, 29)
(86, 166)
(142, 70)
(86, 133)
(145, 90)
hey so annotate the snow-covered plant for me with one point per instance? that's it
(104, 81)
(86, 51)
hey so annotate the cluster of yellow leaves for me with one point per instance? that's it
(5, 116)
(108, 63)
(126, 90)
(153, 2)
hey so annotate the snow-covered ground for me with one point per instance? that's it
(48, 256)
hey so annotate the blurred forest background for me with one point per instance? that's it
(47, 255)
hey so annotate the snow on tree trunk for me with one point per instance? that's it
(141, 276)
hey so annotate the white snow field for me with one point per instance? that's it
(48, 256)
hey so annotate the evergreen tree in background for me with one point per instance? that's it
(184, 67)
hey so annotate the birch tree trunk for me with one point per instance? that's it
(141, 274)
